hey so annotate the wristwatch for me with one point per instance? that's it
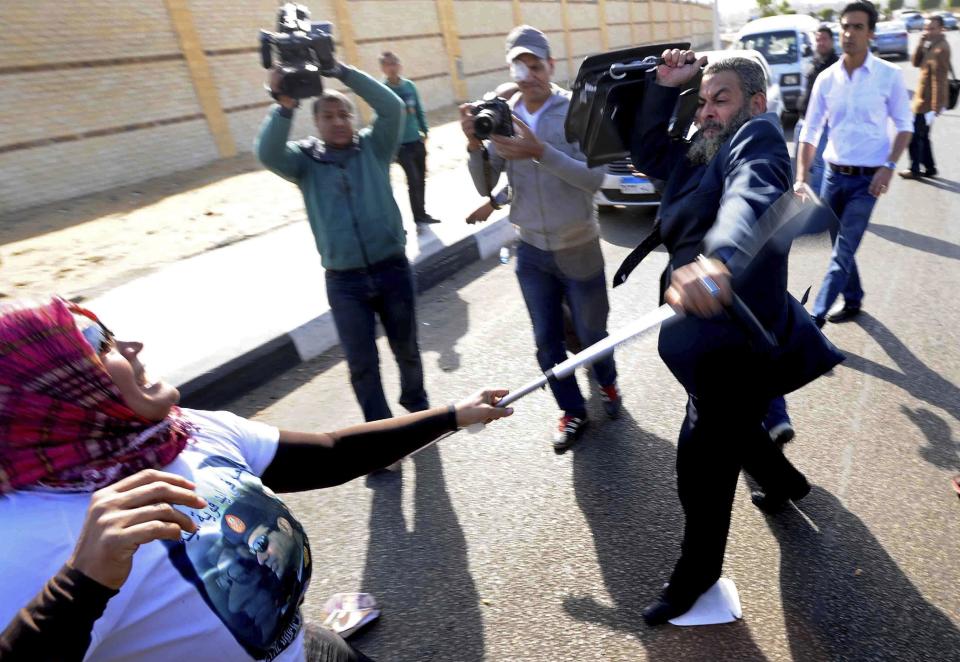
(892, 165)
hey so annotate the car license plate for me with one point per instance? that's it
(636, 185)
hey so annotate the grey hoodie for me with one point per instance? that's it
(552, 201)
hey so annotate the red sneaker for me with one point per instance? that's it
(612, 402)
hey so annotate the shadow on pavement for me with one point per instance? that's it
(624, 483)
(845, 598)
(921, 242)
(914, 377)
(941, 183)
(420, 577)
(441, 324)
(441, 336)
(941, 450)
(626, 227)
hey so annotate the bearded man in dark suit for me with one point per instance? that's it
(719, 185)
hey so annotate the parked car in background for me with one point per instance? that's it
(913, 20)
(624, 186)
(949, 20)
(786, 43)
(890, 38)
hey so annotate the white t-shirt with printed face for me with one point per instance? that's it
(229, 592)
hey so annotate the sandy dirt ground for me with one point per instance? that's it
(81, 247)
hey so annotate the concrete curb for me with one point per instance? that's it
(309, 340)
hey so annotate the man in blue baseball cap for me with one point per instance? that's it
(558, 256)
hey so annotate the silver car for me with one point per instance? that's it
(891, 39)
(913, 20)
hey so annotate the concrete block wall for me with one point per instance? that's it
(109, 93)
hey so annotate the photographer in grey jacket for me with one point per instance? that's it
(558, 256)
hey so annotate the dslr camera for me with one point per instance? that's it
(492, 116)
(300, 48)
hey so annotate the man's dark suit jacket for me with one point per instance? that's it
(713, 209)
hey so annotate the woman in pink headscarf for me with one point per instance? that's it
(97, 463)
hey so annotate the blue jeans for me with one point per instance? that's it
(357, 297)
(776, 413)
(817, 167)
(849, 198)
(546, 279)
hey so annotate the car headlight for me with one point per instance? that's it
(790, 79)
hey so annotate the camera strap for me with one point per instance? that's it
(488, 177)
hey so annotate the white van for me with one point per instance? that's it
(786, 43)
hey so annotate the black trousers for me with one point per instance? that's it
(717, 440)
(921, 151)
(412, 157)
(322, 645)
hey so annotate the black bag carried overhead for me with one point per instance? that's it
(605, 97)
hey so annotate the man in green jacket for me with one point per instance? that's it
(412, 156)
(345, 179)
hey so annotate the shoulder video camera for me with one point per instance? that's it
(300, 48)
(491, 116)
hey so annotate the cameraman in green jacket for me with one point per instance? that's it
(344, 176)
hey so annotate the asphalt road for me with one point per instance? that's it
(491, 547)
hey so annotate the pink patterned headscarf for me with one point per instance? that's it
(63, 423)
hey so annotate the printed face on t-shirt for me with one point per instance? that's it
(249, 559)
(273, 547)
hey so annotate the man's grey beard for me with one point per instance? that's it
(703, 149)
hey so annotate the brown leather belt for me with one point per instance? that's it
(853, 171)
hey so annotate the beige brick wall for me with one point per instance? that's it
(50, 31)
(60, 171)
(237, 23)
(619, 12)
(586, 43)
(619, 36)
(484, 17)
(81, 100)
(583, 15)
(97, 93)
(385, 20)
(544, 15)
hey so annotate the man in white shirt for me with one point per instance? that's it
(857, 96)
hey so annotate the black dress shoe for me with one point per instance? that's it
(819, 321)
(427, 219)
(845, 314)
(932, 172)
(663, 609)
(772, 503)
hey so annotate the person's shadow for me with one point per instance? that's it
(845, 598)
(941, 450)
(914, 376)
(441, 325)
(915, 240)
(420, 578)
(948, 185)
(627, 227)
(624, 483)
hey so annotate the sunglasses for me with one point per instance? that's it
(259, 544)
(99, 337)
